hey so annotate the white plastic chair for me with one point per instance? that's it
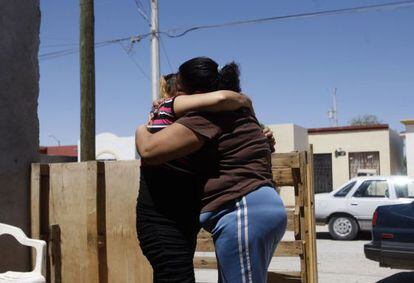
(35, 276)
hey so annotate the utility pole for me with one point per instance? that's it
(155, 51)
(332, 113)
(334, 109)
(87, 79)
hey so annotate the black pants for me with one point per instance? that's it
(168, 209)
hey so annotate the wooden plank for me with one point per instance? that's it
(289, 248)
(92, 221)
(283, 277)
(302, 185)
(205, 262)
(273, 276)
(292, 225)
(310, 247)
(283, 176)
(205, 245)
(44, 196)
(285, 248)
(126, 262)
(73, 207)
(292, 220)
(56, 253)
(34, 205)
(290, 159)
(101, 222)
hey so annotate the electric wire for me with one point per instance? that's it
(59, 53)
(141, 11)
(166, 55)
(179, 32)
(378, 7)
(127, 52)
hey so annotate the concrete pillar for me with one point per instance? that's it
(19, 124)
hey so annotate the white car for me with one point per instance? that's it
(350, 208)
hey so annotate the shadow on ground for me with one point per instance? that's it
(362, 236)
(402, 277)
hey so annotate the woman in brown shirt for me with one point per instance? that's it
(231, 155)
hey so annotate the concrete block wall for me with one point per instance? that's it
(19, 125)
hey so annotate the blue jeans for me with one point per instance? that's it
(246, 233)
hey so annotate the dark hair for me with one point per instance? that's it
(202, 74)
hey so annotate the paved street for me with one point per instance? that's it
(338, 261)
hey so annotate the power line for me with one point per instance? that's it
(60, 53)
(128, 52)
(142, 12)
(170, 32)
(359, 9)
(166, 55)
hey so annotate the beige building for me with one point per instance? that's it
(289, 137)
(409, 145)
(341, 153)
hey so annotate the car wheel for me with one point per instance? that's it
(343, 228)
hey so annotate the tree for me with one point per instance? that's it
(367, 119)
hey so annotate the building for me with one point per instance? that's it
(112, 147)
(341, 153)
(289, 137)
(409, 146)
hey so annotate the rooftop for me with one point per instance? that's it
(349, 128)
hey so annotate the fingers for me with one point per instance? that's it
(157, 103)
(270, 138)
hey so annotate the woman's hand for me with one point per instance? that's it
(271, 139)
(246, 101)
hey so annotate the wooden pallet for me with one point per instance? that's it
(296, 170)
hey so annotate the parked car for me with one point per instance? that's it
(392, 236)
(349, 209)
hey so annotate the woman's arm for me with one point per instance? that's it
(173, 142)
(222, 100)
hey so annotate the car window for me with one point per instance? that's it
(372, 189)
(345, 190)
(404, 189)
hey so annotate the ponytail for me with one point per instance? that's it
(229, 77)
(202, 74)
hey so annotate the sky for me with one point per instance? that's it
(288, 67)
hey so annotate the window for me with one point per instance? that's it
(372, 189)
(345, 190)
(365, 163)
(404, 189)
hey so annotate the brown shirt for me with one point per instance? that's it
(236, 158)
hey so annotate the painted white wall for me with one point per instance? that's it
(110, 146)
(409, 146)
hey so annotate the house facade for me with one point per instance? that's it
(341, 153)
(409, 145)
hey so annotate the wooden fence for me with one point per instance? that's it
(289, 169)
(86, 213)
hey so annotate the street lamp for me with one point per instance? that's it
(55, 138)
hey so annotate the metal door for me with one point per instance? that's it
(322, 174)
